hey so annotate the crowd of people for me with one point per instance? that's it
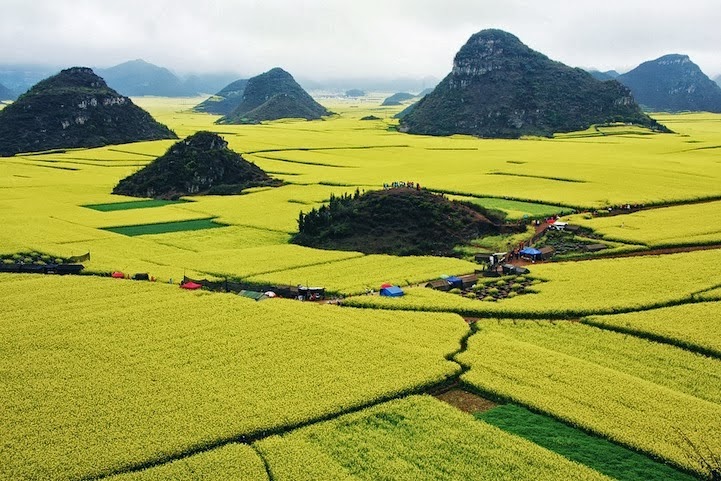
(406, 184)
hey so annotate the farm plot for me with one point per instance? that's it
(165, 227)
(101, 375)
(414, 439)
(604, 456)
(624, 408)
(232, 462)
(662, 364)
(515, 209)
(133, 204)
(693, 326)
(575, 289)
(693, 224)
(354, 276)
(258, 260)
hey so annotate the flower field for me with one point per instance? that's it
(575, 289)
(429, 441)
(692, 224)
(692, 326)
(133, 381)
(609, 402)
(121, 373)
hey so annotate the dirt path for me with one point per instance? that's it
(465, 401)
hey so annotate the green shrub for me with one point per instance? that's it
(455, 290)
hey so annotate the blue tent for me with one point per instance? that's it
(392, 291)
(530, 251)
(455, 282)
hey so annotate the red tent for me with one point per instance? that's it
(118, 275)
(190, 285)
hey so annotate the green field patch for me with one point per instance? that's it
(165, 227)
(599, 454)
(132, 204)
(412, 439)
(514, 208)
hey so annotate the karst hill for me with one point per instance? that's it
(199, 164)
(73, 109)
(397, 221)
(673, 83)
(225, 101)
(274, 95)
(501, 88)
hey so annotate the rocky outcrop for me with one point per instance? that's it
(72, 109)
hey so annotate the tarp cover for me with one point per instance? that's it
(118, 275)
(455, 281)
(392, 291)
(530, 251)
(190, 285)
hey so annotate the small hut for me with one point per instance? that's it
(392, 291)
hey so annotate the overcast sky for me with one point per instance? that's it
(320, 39)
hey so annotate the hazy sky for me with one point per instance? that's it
(320, 39)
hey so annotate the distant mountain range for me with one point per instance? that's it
(224, 101)
(673, 83)
(607, 75)
(6, 93)
(501, 88)
(398, 98)
(138, 78)
(133, 78)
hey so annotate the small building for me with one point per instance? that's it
(547, 252)
(469, 280)
(574, 228)
(595, 247)
(392, 291)
(482, 257)
(311, 293)
(511, 270)
(439, 285)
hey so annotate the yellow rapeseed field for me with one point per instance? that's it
(103, 374)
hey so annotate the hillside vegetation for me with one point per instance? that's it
(399, 221)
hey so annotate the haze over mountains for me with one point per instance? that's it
(224, 101)
(499, 87)
(6, 93)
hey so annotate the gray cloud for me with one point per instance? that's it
(339, 38)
